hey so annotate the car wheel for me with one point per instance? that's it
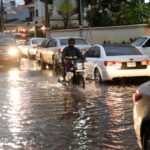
(29, 56)
(43, 64)
(54, 63)
(146, 138)
(97, 76)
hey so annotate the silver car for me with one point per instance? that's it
(29, 49)
(143, 44)
(107, 62)
(141, 115)
(50, 50)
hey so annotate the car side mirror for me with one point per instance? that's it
(144, 45)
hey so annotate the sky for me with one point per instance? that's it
(19, 2)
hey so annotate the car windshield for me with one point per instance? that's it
(112, 50)
(139, 41)
(77, 42)
(4, 41)
(37, 41)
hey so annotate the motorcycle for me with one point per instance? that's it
(77, 75)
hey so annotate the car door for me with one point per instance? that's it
(92, 55)
(51, 51)
(145, 48)
(25, 47)
(44, 50)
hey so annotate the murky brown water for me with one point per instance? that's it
(38, 113)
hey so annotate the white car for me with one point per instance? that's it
(50, 50)
(143, 44)
(141, 115)
(29, 49)
(107, 62)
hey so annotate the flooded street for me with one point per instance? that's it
(38, 113)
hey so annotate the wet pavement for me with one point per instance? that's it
(38, 113)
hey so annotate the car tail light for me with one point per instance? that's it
(60, 50)
(144, 62)
(35, 47)
(148, 62)
(136, 97)
(111, 63)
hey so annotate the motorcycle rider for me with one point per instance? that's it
(70, 52)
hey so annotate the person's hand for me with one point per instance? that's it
(65, 61)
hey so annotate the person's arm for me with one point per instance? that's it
(80, 55)
(64, 55)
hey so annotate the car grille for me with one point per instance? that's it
(138, 66)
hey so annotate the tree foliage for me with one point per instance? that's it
(66, 10)
(117, 12)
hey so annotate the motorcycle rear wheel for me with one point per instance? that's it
(80, 81)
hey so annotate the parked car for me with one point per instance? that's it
(50, 50)
(21, 38)
(141, 115)
(143, 44)
(107, 62)
(9, 52)
(29, 49)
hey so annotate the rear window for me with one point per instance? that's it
(22, 36)
(4, 41)
(37, 41)
(77, 42)
(139, 41)
(112, 50)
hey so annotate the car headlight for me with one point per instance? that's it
(13, 51)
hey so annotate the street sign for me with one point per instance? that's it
(47, 28)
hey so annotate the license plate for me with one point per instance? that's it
(131, 64)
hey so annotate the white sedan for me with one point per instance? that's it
(143, 44)
(107, 62)
(50, 50)
(141, 115)
(30, 47)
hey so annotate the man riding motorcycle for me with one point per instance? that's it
(70, 52)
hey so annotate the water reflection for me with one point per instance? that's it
(39, 113)
(14, 74)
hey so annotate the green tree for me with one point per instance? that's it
(66, 10)
(117, 12)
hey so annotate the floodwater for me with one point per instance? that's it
(38, 113)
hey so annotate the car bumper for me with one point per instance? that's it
(111, 72)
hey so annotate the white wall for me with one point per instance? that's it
(115, 34)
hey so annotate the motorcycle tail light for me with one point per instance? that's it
(136, 97)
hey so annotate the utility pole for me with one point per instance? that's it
(2, 17)
(47, 20)
(80, 18)
(140, 11)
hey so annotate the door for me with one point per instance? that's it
(51, 51)
(92, 55)
(146, 48)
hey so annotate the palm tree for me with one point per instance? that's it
(66, 9)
